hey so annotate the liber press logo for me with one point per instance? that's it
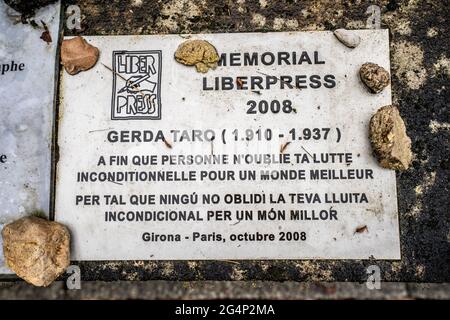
(136, 85)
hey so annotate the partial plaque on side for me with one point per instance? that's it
(27, 90)
(265, 157)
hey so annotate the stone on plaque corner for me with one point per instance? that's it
(37, 250)
(348, 38)
(375, 77)
(78, 55)
(390, 143)
(200, 53)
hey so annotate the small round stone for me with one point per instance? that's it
(375, 77)
(347, 37)
(198, 53)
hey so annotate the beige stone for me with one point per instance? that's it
(348, 38)
(78, 55)
(390, 143)
(375, 77)
(37, 250)
(198, 53)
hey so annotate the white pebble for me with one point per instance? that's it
(349, 38)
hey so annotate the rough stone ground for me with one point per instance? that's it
(420, 76)
(224, 290)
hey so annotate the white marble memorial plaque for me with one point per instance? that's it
(27, 89)
(265, 157)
